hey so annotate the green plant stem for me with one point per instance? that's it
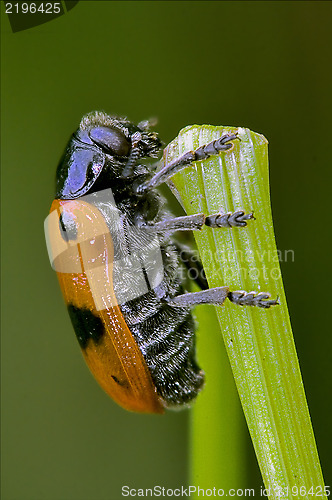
(229, 433)
(259, 342)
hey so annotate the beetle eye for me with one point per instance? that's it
(111, 140)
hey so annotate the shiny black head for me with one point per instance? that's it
(103, 149)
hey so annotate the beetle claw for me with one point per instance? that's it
(261, 299)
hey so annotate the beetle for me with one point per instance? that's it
(110, 240)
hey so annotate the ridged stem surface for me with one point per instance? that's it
(259, 342)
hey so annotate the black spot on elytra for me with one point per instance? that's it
(67, 226)
(123, 383)
(87, 326)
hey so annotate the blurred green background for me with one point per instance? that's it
(262, 65)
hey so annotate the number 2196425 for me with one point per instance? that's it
(33, 7)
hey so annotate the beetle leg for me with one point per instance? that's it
(217, 296)
(229, 219)
(185, 223)
(197, 221)
(211, 296)
(202, 153)
(243, 298)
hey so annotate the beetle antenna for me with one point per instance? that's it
(134, 155)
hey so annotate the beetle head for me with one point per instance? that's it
(103, 145)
